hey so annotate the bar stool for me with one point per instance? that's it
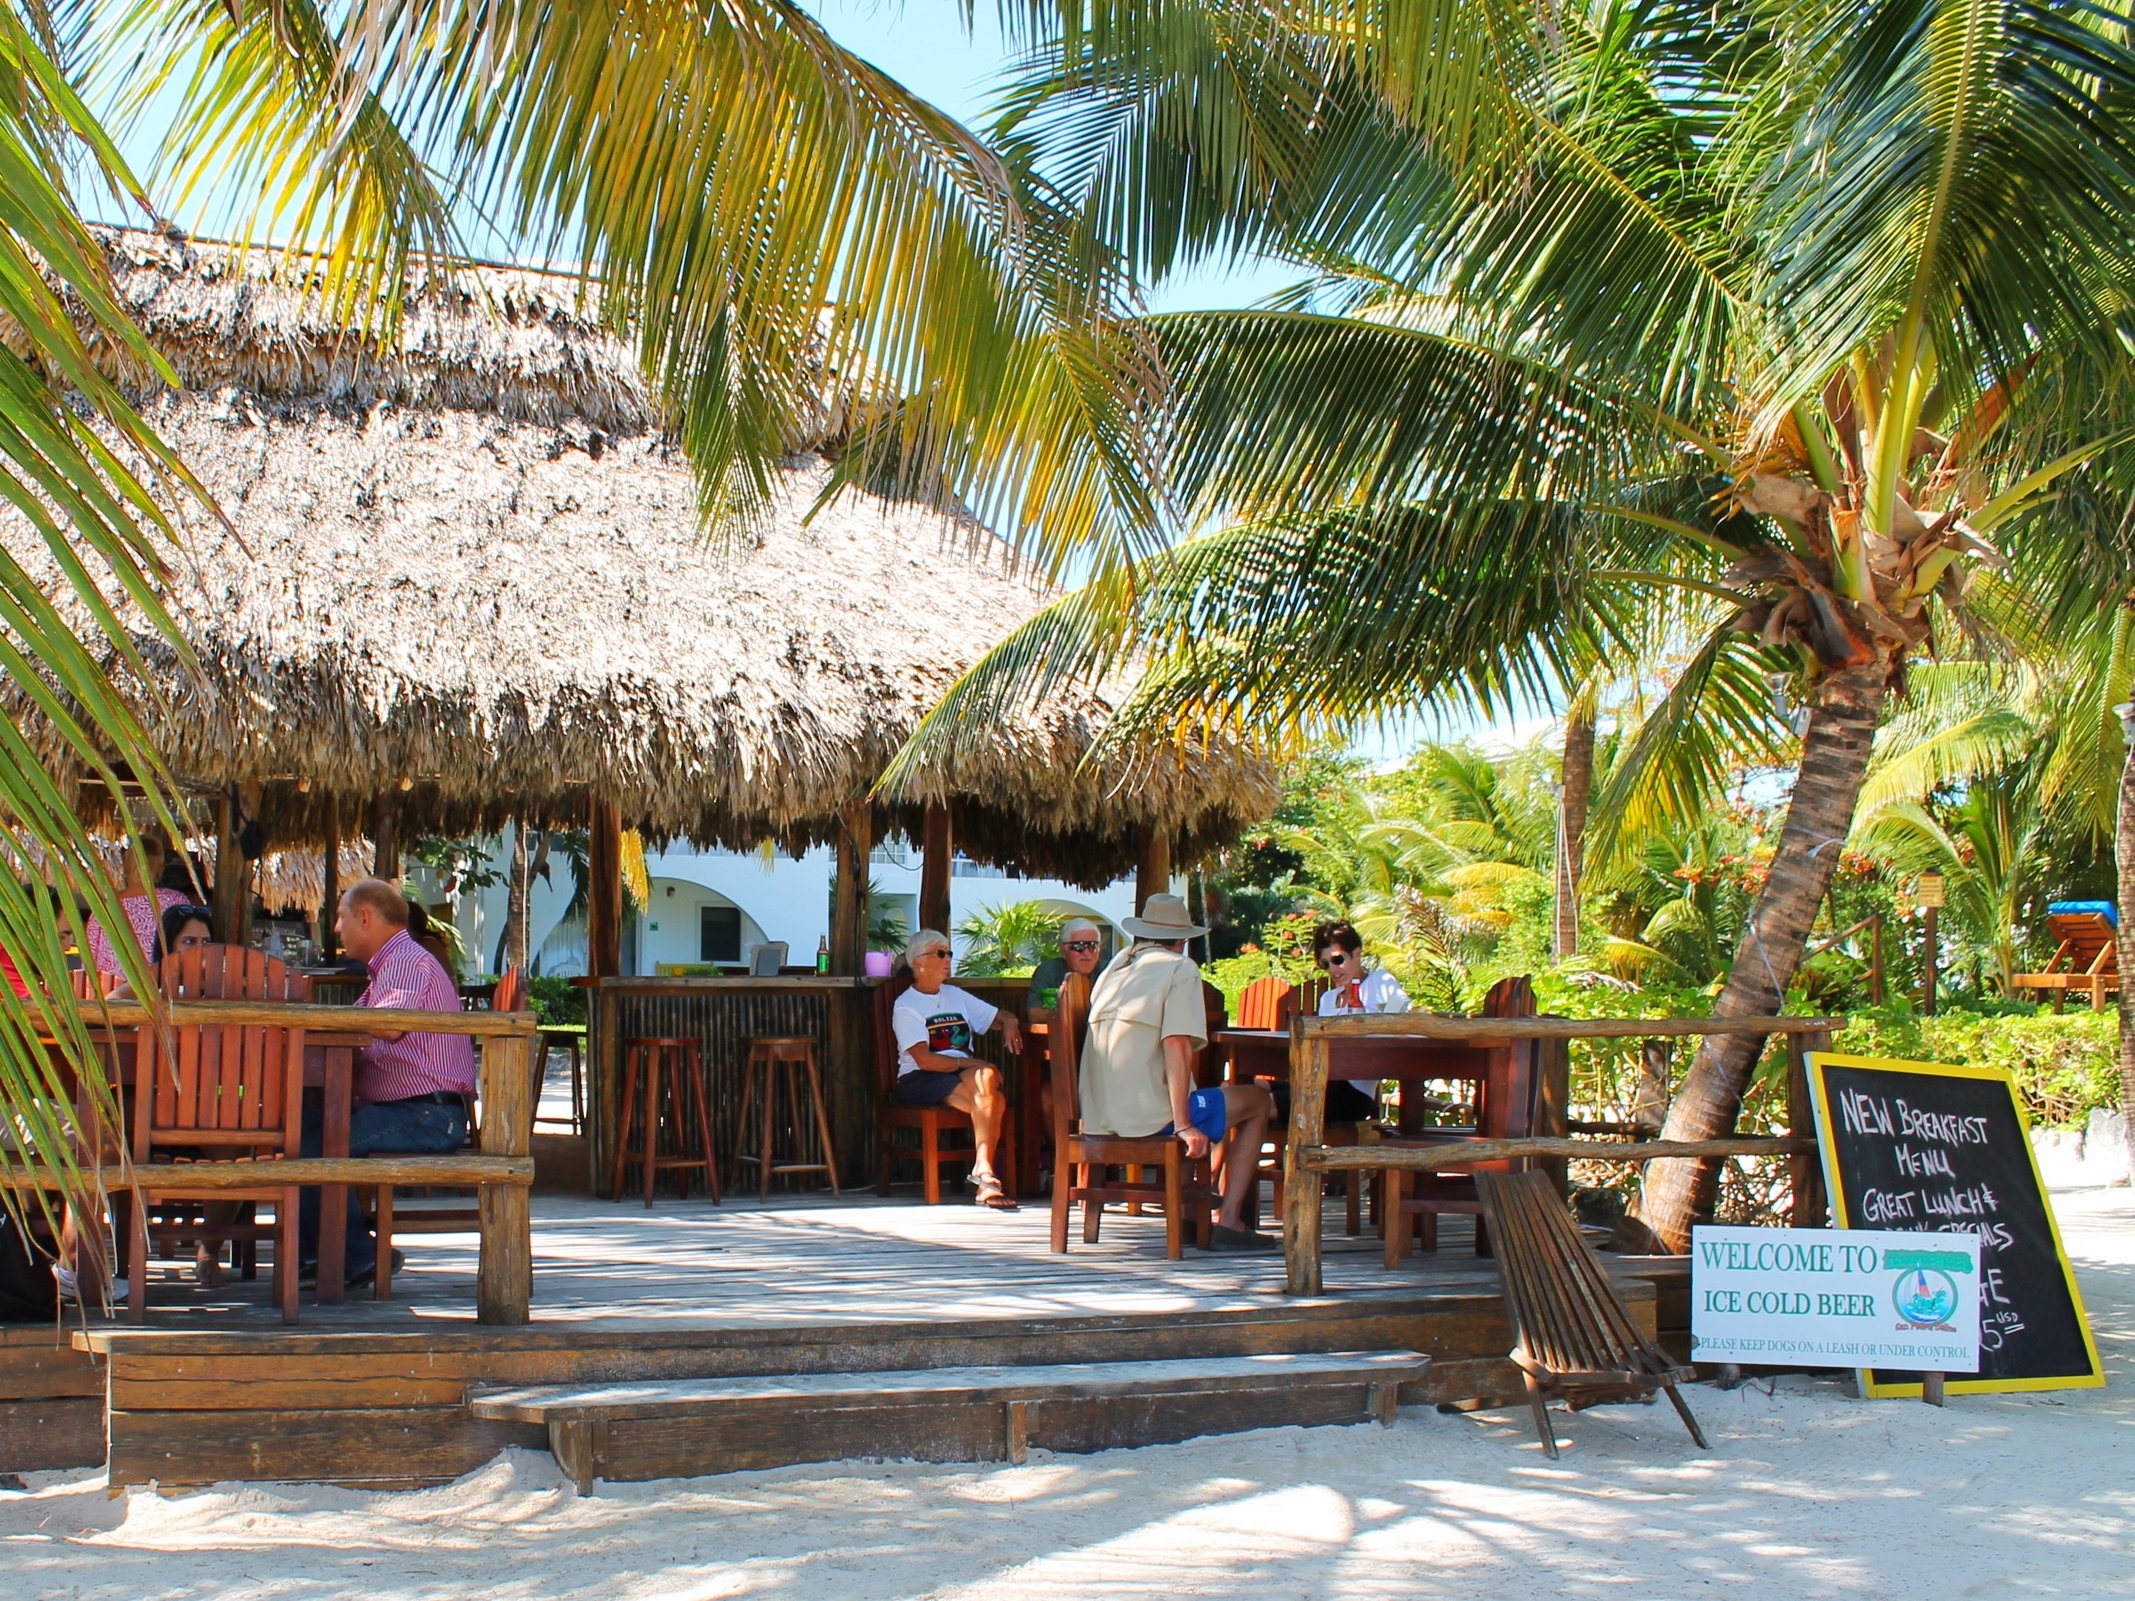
(673, 1079)
(773, 1059)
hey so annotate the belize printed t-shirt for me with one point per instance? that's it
(945, 1022)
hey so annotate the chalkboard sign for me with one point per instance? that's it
(1920, 1146)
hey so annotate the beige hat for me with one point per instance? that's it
(1163, 917)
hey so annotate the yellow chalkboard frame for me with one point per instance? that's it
(1827, 1149)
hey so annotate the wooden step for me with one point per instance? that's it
(629, 1432)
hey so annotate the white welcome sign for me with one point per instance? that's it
(1838, 1298)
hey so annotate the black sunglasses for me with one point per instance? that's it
(1080, 945)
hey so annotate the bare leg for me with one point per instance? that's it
(1247, 1108)
(981, 1096)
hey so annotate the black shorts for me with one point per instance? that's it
(1345, 1102)
(925, 1087)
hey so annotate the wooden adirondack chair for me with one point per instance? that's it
(217, 1093)
(1083, 1163)
(1573, 1338)
(2088, 958)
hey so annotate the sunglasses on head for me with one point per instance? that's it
(1080, 945)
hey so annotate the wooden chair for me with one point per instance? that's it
(1505, 1086)
(388, 1222)
(229, 1093)
(2088, 958)
(930, 1122)
(1573, 1338)
(1083, 1162)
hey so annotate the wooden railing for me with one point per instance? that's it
(1307, 1156)
(503, 1171)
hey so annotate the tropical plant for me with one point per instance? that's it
(1613, 304)
(1010, 939)
(87, 478)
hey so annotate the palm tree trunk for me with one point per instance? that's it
(1571, 827)
(1834, 760)
(2124, 859)
(511, 945)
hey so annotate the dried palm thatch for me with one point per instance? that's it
(466, 570)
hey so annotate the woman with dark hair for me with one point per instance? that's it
(185, 928)
(1353, 988)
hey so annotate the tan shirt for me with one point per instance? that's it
(1133, 1009)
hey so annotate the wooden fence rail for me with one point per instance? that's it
(1307, 1157)
(504, 1278)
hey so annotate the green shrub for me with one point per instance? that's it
(2066, 1066)
(556, 1000)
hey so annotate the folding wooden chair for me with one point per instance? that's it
(1573, 1338)
(1083, 1163)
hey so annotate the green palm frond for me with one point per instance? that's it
(85, 477)
(800, 248)
(1717, 716)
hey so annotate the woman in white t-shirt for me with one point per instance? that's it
(1353, 988)
(936, 1025)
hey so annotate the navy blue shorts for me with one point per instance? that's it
(1206, 1111)
(925, 1087)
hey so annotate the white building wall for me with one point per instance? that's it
(780, 898)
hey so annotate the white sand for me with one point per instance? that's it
(1807, 1493)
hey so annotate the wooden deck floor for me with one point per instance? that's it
(811, 1260)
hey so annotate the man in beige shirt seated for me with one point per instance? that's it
(1147, 1025)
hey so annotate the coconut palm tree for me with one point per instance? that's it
(1793, 307)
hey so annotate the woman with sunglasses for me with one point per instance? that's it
(1353, 988)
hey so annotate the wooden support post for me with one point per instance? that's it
(330, 902)
(938, 852)
(504, 1279)
(1152, 870)
(604, 891)
(848, 914)
(1933, 952)
(385, 837)
(1808, 1207)
(1309, 1055)
(1553, 1101)
(230, 876)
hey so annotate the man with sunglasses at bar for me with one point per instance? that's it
(1081, 943)
(1352, 988)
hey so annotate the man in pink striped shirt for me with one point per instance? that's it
(412, 1091)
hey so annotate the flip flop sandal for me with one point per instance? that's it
(991, 1194)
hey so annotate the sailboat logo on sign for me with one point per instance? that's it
(1923, 1294)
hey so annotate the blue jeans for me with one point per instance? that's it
(422, 1128)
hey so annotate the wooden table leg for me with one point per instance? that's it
(334, 1198)
(1301, 1189)
(1030, 1120)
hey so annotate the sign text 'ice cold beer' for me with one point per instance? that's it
(1840, 1298)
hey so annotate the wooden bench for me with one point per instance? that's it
(637, 1431)
(1573, 1338)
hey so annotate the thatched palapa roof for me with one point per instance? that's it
(473, 562)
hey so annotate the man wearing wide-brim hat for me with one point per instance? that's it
(1147, 1025)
